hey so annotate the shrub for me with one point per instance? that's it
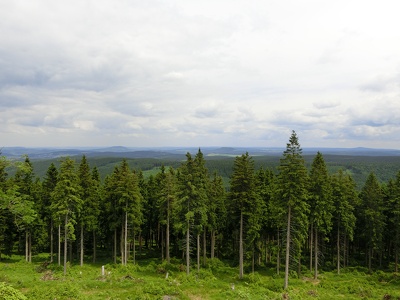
(9, 293)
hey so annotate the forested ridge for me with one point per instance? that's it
(299, 213)
(359, 167)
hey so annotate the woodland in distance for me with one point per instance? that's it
(294, 218)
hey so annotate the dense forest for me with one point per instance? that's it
(298, 214)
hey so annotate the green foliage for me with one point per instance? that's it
(372, 217)
(290, 200)
(9, 293)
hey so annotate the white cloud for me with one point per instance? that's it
(155, 73)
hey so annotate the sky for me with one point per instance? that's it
(199, 73)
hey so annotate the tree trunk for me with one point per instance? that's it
(140, 244)
(26, 245)
(311, 246)
(70, 252)
(187, 250)
(338, 250)
(94, 246)
(396, 260)
(316, 255)
(126, 238)
(345, 253)
(162, 244)
(30, 247)
(278, 254)
(241, 247)
(115, 245)
(198, 253)
(212, 244)
(134, 248)
(81, 245)
(51, 241)
(121, 245)
(204, 248)
(65, 243)
(167, 238)
(370, 259)
(252, 260)
(59, 244)
(286, 284)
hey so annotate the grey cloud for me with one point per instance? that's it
(326, 104)
(382, 84)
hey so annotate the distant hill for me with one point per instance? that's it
(358, 162)
(179, 152)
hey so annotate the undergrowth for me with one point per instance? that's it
(156, 279)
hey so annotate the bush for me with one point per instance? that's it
(60, 291)
(9, 293)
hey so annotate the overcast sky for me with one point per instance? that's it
(200, 73)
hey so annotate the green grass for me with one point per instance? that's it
(148, 280)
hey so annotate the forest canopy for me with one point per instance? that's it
(296, 211)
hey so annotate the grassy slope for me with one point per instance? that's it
(147, 280)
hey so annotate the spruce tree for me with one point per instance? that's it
(216, 209)
(48, 186)
(394, 217)
(24, 205)
(291, 198)
(67, 201)
(85, 183)
(129, 199)
(372, 217)
(321, 204)
(245, 204)
(166, 202)
(190, 209)
(345, 198)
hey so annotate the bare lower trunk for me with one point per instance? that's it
(65, 243)
(30, 247)
(94, 246)
(316, 255)
(278, 254)
(187, 250)
(338, 251)
(26, 245)
(162, 244)
(241, 247)
(59, 244)
(167, 241)
(115, 245)
(198, 253)
(51, 241)
(311, 246)
(126, 239)
(204, 248)
(370, 259)
(252, 260)
(70, 252)
(81, 245)
(396, 261)
(134, 248)
(212, 244)
(121, 245)
(286, 284)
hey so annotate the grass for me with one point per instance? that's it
(152, 279)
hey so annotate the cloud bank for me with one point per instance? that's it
(190, 73)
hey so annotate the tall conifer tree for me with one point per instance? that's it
(372, 216)
(291, 197)
(321, 204)
(245, 203)
(67, 201)
(345, 198)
